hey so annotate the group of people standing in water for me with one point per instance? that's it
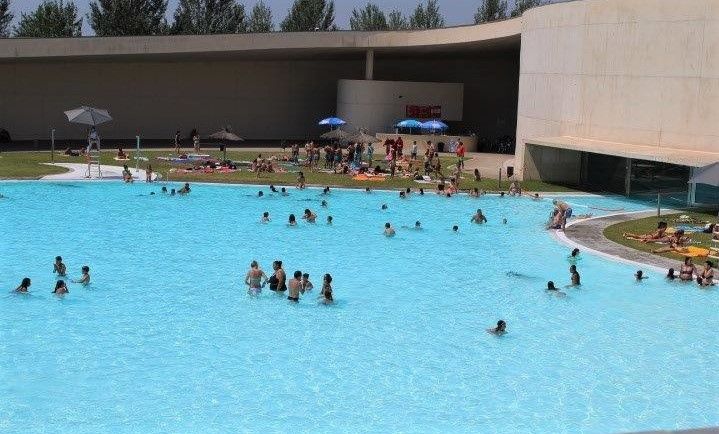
(298, 285)
(60, 269)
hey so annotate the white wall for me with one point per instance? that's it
(642, 72)
(377, 105)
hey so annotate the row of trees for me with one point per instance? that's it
(60, 18)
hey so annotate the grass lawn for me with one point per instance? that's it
(26, 165)
(649, 224)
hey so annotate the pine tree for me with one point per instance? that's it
(370, 17)
(427, 16)
(5, 18)
(491, 10)
(260, 19)
(309, 15)
(397, 21)
(522, 5)
(51, 19)
(128, 17)
(207, 17)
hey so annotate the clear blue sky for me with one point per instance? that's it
(455, 11)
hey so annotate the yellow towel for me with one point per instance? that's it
(693, 252)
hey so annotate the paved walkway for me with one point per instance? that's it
(488, 164)
(588, 235)
(77, 172)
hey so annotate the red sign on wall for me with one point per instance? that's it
(424, 111)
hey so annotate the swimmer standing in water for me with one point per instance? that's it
(306, 284)
(292, 221)
(576, 280)
(265, 217)
(500, 330)
(479, 218)
(295, 287)
(326, 294)
(85, 278)
(255, 279)
(60, 288)
(309, 216)
(388, 230)
(24, 285)
(59, 267)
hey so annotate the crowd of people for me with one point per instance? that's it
(60, 269)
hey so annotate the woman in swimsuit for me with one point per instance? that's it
(278, 279)
(254, 279)
(326, 294)
(60, 288)
(24, 285)
(688, 270)
(706, 277)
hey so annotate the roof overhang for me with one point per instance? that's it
(639, 152)
(497, 35)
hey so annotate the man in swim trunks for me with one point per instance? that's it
(59, 267)
(254, 279)
(295, 287)
(479, 218)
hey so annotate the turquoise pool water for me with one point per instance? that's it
(165, 338)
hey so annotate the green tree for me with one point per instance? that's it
(308, 15)
(491, 10)
(397, 21)
(522, 5)
(51, 19)
(207, 17)
(370, 17)
(5, 18)
(426, 16)
(260, 19)
(128, 17)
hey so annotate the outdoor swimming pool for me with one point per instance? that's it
(165, 338)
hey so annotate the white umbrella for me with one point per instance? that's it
(224, 134)
(706, 175)
(88, 116)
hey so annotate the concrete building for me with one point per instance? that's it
(618, 95)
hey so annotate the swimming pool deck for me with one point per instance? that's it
(76, 172)
(588, 235)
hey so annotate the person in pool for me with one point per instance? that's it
(283, 192)
(85, 278)
(295, 286)
(326, 294)
(687, 270)
(58, 267)
(367, 190)
(706, 276)
(417, 225)
(309, 216)
(500, 329)
(185, 189)
(384, 206)
(388, 230)
(24, 285)
(323, 204)
(256, 279)
(306, 284)
(260, 193)
(671, 275)
(273, 189)
(172, 192)
(279, 278)
(292, 221)
(329, 219)
(163, 190)
(126, 174)
(639, 275)
(60, 288)
(265, 217)
(551, 289)
(576, 280)
(455, 228)
(479, 218)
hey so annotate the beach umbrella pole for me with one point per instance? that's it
(137, 155)
(52, 146)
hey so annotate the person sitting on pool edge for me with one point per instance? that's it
(295, 285)
(706, 276)
(126, 175)
(478, 217)
(687, 270)
(301, 180)
(185, 189)
(500, 329)
(24, 285)
(326, 294)
(58, 267)
(85, 278)
(60, 288)
(388, 230)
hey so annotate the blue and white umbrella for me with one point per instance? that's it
(409, 123)
(333, 122)
(434, 125)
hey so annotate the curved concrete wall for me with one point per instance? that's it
(642, 72)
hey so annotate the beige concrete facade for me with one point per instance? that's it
(621, 77)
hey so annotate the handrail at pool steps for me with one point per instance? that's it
(714, 250)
